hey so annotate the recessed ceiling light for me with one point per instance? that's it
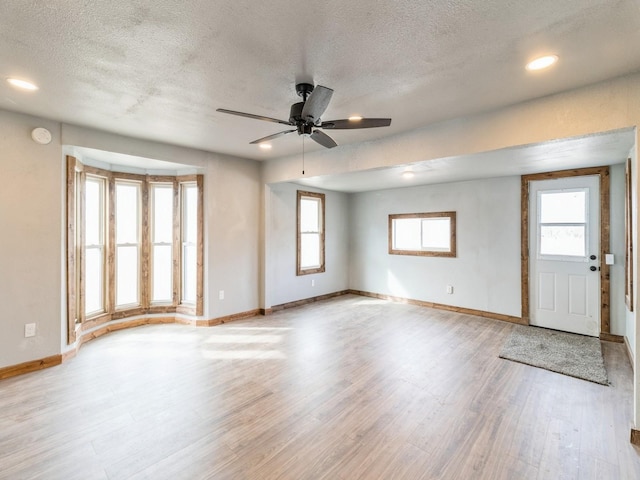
(355, 118)
(542, 62)
(265, 146)
(408, 174)
(16, 82)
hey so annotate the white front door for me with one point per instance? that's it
(564, 261)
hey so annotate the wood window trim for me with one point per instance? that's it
(76, 318)
(605, 219)
(308, 271)
(452, 253)
(628, 237)
(198, 308)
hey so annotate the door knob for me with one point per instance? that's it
(592, 257)
(592, 268)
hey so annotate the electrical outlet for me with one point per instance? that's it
(221, 295)
(449, 289)
(29, 330)
(313, 283)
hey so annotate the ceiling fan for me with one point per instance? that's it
(305, 117)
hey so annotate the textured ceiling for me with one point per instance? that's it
(159, 69)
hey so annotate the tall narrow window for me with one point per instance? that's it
(127, 244)
(94, 236)
(162, 243)
(189, 233)
(310, 237)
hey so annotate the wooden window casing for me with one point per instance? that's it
(318, 230)
(450, 251)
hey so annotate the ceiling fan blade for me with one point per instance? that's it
(316, 104)
(323, 139)
(271, 137)
(362, 123)
(251, 115)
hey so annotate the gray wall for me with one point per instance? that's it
(284, 285)
(485, 274)
(32, 247)
(31, 206)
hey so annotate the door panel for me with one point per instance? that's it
(564, 236)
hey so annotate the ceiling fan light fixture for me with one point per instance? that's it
(265, 146)
(355, 118)
(541, 63)
(23, 84)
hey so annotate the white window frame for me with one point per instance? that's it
(585, 224)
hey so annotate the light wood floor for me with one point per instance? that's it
(343, 389)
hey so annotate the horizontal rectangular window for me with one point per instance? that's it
(424, 234)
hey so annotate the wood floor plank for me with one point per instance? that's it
(345, 388)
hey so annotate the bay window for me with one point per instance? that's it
(134, 245)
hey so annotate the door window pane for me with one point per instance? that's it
(567, 240)
(562, 222)
(563, 207)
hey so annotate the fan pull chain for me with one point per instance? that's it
(303, 154)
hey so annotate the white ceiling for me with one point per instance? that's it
(579, 152)
(158, 69)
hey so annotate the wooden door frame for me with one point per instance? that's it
(603, 173)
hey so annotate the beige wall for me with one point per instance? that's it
(31, 206)
(32, 247)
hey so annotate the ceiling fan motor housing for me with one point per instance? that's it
(295, 115)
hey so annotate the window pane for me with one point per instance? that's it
(93, 211)
(309, 250)
(436, 233)
(93, 281)
(162, 273)
(127, 275)
(309, 215)
(190, 213)
(563, 207)
(406, 233)
(563, 240)
(189, 271)
(162, 213)
(126, 213)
